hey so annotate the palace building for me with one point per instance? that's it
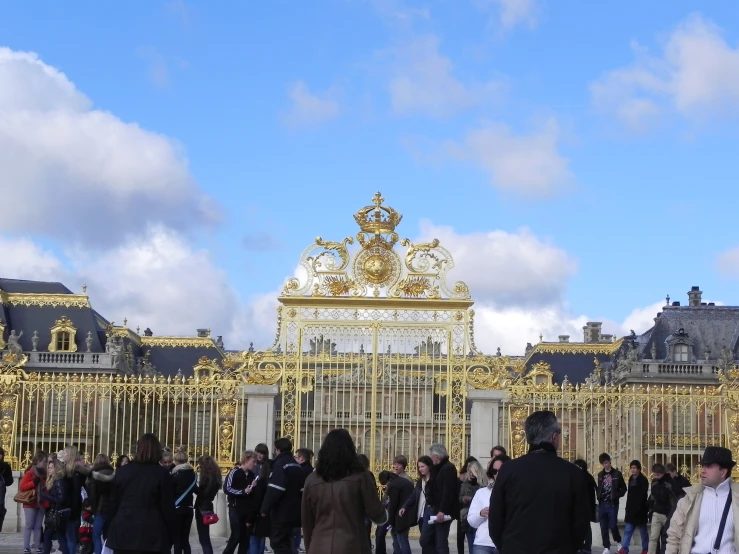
(374, 339)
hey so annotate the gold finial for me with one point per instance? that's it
(125, 322)
(377, 219)
(84, 288)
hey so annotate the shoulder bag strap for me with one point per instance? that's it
(717, 544)
(184, 494)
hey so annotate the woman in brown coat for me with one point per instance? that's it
(336, 499)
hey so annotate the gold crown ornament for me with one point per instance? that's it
(377, 219)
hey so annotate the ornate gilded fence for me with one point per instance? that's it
(202, 414)
(650, 423)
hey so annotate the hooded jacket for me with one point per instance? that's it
(99, 487)
(34, 478)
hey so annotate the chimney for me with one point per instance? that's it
(694, 296)
(564, 338)
(203, 333)
(591, 331)
(607, 338)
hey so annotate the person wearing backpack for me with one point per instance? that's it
(238, 487)
(184, 480)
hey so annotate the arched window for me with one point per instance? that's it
(63, 335)
(681, 353)
(62, 341)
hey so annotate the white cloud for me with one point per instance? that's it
(158, 281)
(424, 83)
(530, 165)
(308, 109)
(513, 12)
(696, 75)
(507, 269)
(24, 259)
(80, 173)
(641, 319)
(727, 263)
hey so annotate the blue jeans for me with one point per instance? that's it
(401, 544)
(480, 549)
(256, 545)
(73, 527)
(608, 517)
(629, 532)
(98, 522)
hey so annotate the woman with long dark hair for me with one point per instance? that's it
(336, 499)
(209, 483)
(416, 503)
(142, 514)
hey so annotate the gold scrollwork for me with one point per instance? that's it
(63, 336)
(178, 342)
(42, 300)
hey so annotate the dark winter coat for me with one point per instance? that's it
(399, 490)
(469, 488)
(333, 513)
(59, 496)
(679, 484)
(77, 483)
(206, 491)
(411, 505)
(545, 491)
(592, 491)
(142, 514)
(99, 488)
(637, 507)
(283, 497)
(618, 488)
(442, 492)
(6, 473)
(184, 481)
(662, 498)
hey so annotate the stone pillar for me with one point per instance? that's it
(260, 415)
(485, 424)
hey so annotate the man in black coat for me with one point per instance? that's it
(540, 502)
(282, 499)
(399, 490)
(662, 502)
(442, 501)
(637, 507)
(587, 546)
(6, 479)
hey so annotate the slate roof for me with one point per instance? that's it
(35, 287)
(167, 360)
(41, 319)
(27, 319)
(707, 326)
(575, 365)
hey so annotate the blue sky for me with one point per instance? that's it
(585, 151)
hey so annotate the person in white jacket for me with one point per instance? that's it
(477, 516)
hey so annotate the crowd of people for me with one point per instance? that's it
(536, 504)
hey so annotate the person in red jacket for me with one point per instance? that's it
(33, 480)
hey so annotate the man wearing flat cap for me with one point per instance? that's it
(706, 519)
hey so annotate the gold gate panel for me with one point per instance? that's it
(376, 342)
(650, 423)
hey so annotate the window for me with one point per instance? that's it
(62, 341)
(680, 353)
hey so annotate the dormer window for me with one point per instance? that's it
(681, 353)
(680, 347)
(63, 335)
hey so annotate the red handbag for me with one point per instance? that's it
(209, 518)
